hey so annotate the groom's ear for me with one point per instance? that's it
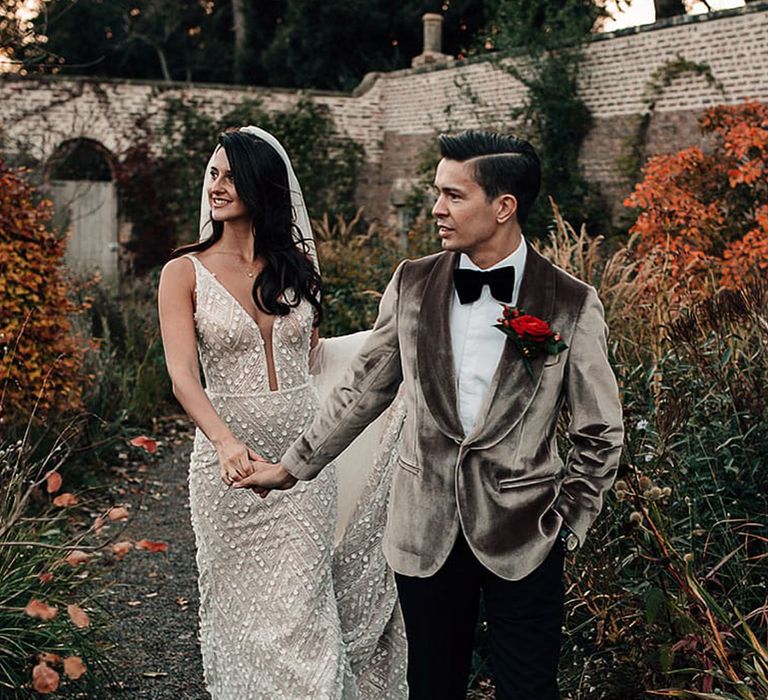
(506, 208)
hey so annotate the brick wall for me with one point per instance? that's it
(395, 115)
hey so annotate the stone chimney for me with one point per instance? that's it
(433, 42)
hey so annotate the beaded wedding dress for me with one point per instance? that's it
(283, 613)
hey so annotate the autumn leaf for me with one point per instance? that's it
(77, 556)
(40, 610)
(120, 549)
(150, 546)
(45, 577)
(78, 616)
(49, 658)
(64, 500)
(44, 678)
(145, 443)
(53, 482)
(74, 667)
(118, 513)
(98, 523)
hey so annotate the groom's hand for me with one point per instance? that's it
(265, 478)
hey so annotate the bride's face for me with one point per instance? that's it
(225, 203)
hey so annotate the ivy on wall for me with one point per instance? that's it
(633, 153)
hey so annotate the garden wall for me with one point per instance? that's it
(394, 115)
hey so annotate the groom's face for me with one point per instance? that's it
(466, 220)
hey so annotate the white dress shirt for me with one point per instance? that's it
(477, 345)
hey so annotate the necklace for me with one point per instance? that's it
(248, 270)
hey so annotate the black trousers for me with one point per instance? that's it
(524, 626)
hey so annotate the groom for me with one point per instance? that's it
(481, 502)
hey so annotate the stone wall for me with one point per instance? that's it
(395, 115)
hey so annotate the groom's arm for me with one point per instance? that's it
(596, 429)
(368, 387)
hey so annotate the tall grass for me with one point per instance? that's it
(668, 595)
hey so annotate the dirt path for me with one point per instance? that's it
(152, 597)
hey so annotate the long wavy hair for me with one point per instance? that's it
(261, 181)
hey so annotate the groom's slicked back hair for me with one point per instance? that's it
(502, 165)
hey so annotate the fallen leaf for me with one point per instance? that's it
(48, 657)
(78, 616)
(77, 556)
(118, 513)
(44, 678)
(63, 500)
(120, 549)
(40, 610)
(152, 546)
(98, 523)
(145, 443)
(45, 577)
(133, 603)
(74, 667)
(151, 595)
(53, 482)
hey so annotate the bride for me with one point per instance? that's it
(283, 613)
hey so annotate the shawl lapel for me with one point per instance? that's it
(512, 388)
(434, 353)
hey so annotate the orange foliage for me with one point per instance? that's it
(151, 546)
(40, 610)
(39, 356)
(707, 212)
(44, 678)
(78, 616)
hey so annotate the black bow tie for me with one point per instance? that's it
(469, 283)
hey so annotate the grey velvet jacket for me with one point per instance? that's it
(504, 484)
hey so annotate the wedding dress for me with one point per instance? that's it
(283, 613)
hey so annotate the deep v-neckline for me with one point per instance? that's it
(262, 339)
(239, 305)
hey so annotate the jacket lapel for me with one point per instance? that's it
(512, 387)
(434, 354)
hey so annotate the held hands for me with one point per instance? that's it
(235, 460)
(266, 477)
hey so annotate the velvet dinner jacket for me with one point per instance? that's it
(503, 484)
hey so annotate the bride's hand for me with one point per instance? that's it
(234, 460)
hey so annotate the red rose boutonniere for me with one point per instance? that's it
(530, 334)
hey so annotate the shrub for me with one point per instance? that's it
(710, 207)
(40, 359)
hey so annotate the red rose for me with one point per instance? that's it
(531, 328)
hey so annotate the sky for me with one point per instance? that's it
(641, 12)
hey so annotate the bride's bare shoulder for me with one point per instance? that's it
(178, 273)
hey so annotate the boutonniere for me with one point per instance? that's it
(531, 335)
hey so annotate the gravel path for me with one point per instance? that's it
(152, 597)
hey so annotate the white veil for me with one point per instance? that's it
(333, 355)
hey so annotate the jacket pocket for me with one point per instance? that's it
(507, 484)
(409, 466)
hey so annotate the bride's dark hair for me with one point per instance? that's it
(261, 181)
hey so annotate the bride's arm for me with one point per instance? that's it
(177, 327)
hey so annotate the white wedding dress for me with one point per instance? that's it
(284, 614)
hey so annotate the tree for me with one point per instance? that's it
(169, 40)
(669, 8)
(375, 35)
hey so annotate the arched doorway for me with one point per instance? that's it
(80, 174)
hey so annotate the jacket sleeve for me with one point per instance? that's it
(367, 388)
(596, 430)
